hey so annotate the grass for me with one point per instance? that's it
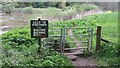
(109, 22)
(110, 26)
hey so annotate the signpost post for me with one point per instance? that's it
(39, 29)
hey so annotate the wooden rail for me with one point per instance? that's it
(71, 42)
(76, 53)
(77, 28)
(70, 35)
(104, 40)
(75, 48)
(78, 42)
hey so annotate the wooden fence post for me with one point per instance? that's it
(98, 38)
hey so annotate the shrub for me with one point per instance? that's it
(18, 37)
(7, 8)
(19, 49)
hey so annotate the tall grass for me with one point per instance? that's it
(68, 14)
(85, 7)
(27, 9)
(52, 13)
(55, 13)
(109, 52)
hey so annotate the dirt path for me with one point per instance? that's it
(80, 60)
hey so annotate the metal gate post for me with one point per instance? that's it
(64, 39)
(88, 43)
(88, 39)
(91, 39)
(61, 42)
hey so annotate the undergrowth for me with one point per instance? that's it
(19, 49)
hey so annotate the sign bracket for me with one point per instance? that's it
(39, 40)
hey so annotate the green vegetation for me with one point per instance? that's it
(27, 9)
(70, 9)
(79, 7)
(8, 7)
(109, 53)
(51, 13)
(86, 7)
(19, 49)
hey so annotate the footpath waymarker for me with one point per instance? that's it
(39, 29)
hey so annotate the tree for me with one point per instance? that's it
(8, 7)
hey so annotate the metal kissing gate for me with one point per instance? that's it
(69, 40)
(66, 40)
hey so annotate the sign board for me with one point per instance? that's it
(39, 28)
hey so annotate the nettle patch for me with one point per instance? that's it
(19, 49)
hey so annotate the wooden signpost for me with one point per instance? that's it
(39, 29)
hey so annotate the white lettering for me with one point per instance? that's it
(36, 32)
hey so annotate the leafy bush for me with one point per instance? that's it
(19, 49)
(7, 8)
(18, 37)
(30, 57)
